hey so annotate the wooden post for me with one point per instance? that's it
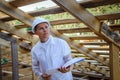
(14, 60)
(0, 64)
(114, 62)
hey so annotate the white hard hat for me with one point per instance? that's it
(38, 21)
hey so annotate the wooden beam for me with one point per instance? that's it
(18, 3)
(94, 43)
(80, 13)
(65, 21)
(14, 12)
(74, 30)
(51, 10)
(112, 16)
(115, 27)
(99, 53)
(98, 48)
(102, 53)
(109, 16)
(114, 62)
(10, 72)
(85, 38)
(19, 32)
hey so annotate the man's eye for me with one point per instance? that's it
(40, 29)
(46, 26)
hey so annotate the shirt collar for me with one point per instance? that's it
(49, 41)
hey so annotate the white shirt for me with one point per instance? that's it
(51, 55)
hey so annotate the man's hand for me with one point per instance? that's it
(46, 77)
(64, 70)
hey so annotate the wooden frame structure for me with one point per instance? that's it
(107, 63)
(14, 54)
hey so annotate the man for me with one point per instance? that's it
(49, 53)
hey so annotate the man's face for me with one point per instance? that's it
(43, 31)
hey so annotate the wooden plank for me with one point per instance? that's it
(14, 12)
(112, 16)
(114, 62)
(85, 37)
(102, 53)
(64, 21)
(98, 48)
(10, 72)
(99, 53)
(18, 3)
(74, 30)
(78, 55)
(94, 43)
(115, 27)
(51, 10)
